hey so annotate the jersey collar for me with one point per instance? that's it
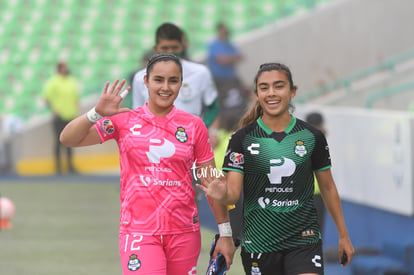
(269, 131)
(152, 116)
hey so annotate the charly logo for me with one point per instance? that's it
(316, 260)
(160, 150)
(134, 263)
(135, 129)
(252, 148)
(300, 149)
(280, 168)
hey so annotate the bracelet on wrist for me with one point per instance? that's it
(225, 229)
(93, 116)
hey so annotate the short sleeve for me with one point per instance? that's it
(321, 158)
(234, 157)
(106, 129)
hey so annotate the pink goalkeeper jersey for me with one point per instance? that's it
(156, 156)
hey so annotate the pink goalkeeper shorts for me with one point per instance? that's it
(160, 254)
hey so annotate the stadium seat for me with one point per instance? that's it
(377, 265)
(397, 258)
(101, 39)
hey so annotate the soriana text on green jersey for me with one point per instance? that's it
(278, 183)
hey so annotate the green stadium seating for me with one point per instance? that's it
(102, 40)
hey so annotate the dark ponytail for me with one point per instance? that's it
(254, 112)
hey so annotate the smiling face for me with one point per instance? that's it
(274, 93)
(163, 82)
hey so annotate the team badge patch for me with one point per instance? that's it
(237, 158)
(300, 148)
(181, 135)
(107, 127)
(134, 263)
(255, 269)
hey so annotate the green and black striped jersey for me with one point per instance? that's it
(278, 183)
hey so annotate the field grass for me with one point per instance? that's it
(64, 228)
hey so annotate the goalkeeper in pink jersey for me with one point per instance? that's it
(159, 230)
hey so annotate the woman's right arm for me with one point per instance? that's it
(234, 187)
(81, 131)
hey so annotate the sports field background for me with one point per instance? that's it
(69, 225)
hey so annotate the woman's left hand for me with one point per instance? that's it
(111, 98)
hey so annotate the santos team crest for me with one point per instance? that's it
(300, 148)
(134, 263)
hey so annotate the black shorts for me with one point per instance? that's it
(304, 259)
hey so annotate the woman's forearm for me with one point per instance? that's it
(234, 186)
(79, 132)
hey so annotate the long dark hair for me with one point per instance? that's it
(163, 57)
(256, 110)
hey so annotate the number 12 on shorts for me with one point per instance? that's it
(134, 243)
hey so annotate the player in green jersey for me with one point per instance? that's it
(273, 158)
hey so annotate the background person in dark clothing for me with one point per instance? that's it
(62, 97)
